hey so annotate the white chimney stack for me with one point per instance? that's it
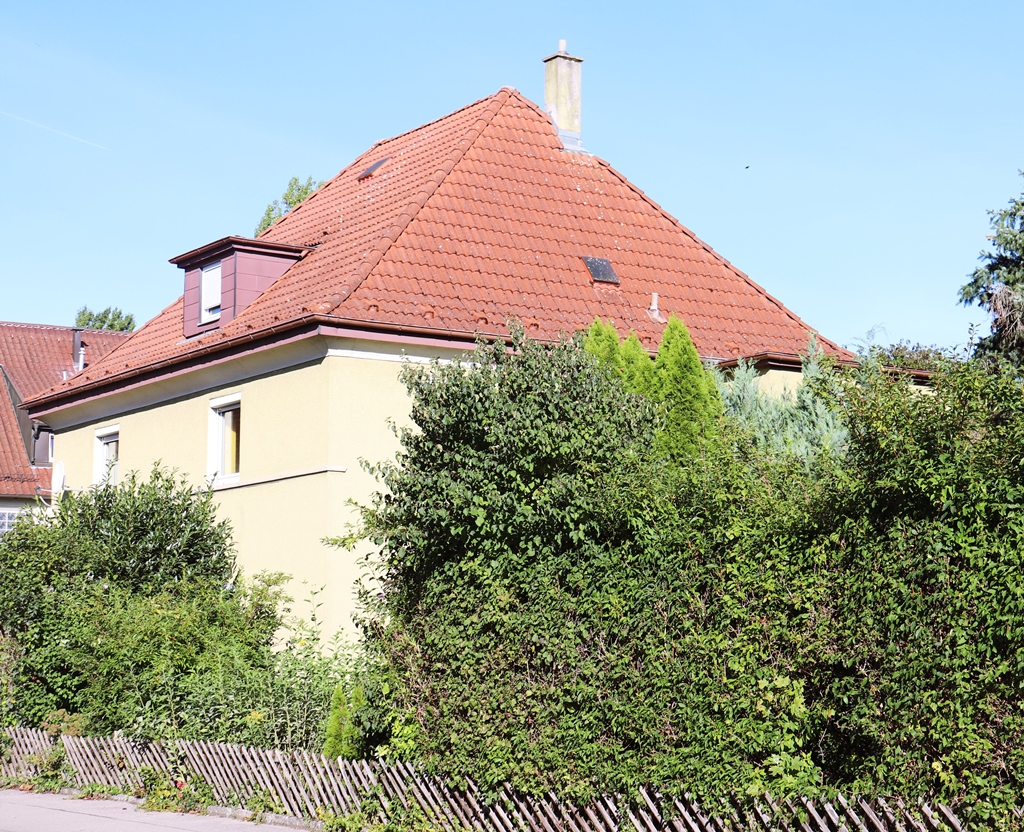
(562, 96)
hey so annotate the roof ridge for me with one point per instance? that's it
(433, 182)
(278, 223)
(445, 117)
(26, 325)
(739, 272)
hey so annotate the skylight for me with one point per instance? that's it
(601, 270)
(369, 171)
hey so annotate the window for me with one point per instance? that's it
(106, 455)
(7, 517)
(225, 442)
(209, 294)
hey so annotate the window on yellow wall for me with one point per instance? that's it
(106, 455)
(231, 431)
(224, 449)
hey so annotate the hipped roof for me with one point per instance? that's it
(34, 358)
(470, 221)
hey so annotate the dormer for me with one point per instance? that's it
(224, 277)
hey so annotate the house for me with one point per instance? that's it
(276, 371)
(34, 358)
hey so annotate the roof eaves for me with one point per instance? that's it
(238, 244)
(224, 344)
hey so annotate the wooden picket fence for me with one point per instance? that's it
(310, 785)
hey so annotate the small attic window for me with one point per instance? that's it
(601, 270)
(370, 170)
(209, 294)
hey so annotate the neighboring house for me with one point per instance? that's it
(276, 371)
(34, 358)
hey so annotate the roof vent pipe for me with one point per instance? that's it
(562, 96)
(77, 351)
(654, 312)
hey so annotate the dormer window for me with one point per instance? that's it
(225, 276)
(209, 291)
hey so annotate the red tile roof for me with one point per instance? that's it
(472, 219)
(35, 357)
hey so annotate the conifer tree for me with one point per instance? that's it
(342, 732)
(637, 367)
(602, 341)
(693, 406)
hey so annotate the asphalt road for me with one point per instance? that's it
(27, 812)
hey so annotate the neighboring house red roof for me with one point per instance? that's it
(33, 358)
(476, 218)
(17, 477)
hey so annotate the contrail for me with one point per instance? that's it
(52, 130)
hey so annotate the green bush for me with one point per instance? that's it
(121, 607)
(676, 380)
(559, 608)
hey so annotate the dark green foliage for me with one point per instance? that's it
(120, 607)
(295, 193)
(997, 285)
(904, 355)
(110, 318)
(561, 609)
(930, 615)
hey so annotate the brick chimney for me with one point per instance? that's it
(562, 96)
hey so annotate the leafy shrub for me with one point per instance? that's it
(120, 609)
(558, 608)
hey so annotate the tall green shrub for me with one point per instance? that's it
(676, 380)
(560, 609)
(691, 399)
(637, 367)
(123, 606)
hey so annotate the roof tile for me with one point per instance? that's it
(481, 216)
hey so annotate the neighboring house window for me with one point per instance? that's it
(7, 516)
(106, 455)
(225, 441)
(209, 294)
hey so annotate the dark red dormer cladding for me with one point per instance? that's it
(247, 269)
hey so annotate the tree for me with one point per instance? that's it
(693, 406)
(295, 193)
(676, 380)
(110, 318)
(998, 284)
(801, 424)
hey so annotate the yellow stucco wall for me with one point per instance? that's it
(309, 415)
(304, 431)
(777, 382)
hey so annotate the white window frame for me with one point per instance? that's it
(104, 436)
(210, 293)
(7, 517)
(216, 438)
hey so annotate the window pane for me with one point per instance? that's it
(232, 434)
(209, 294)
(111, 452)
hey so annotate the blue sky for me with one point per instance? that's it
(877, 134)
